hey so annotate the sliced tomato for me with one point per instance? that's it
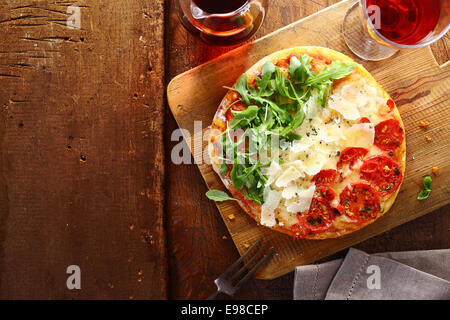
(339, 209)
(388, 134)
(325, 177)
(369, 168)
(383, 173)
(360, 201)
(319, 218)
(350, 156)
(325, 192)
(364, 120)
(386, 109)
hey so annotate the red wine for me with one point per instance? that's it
(407, 21)
(219, 6)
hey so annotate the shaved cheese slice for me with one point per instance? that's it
(297, 164)
(267, 217)
(290, 191)
(353, 93)
(359, 135)
(326, 147)
(351, 99)
(268, 207)
(287, 176)
(348, 110)
(274, 168)
(312, 108)
(301, 145)
(303, 200)
(330, 133)
(372, 108)
(272, 172)
(314, 163)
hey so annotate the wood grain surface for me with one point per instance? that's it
(82, 160)
(407, 237)
(419, 92)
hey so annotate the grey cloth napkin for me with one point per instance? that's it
(390, 275)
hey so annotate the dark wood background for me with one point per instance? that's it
(85, 176)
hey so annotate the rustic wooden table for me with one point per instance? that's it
(85, 171)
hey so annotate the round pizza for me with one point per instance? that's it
(309, 144)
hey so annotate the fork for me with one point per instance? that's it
(226, 285)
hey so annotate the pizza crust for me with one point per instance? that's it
(219, 124)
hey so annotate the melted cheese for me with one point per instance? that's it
(359, 135)
(314, 163)
(348, 110)
(290, 191)
(331, 133)
(303, 200)
(287, 176)
(301, 145)
(357, 99)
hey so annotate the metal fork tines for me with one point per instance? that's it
(229, 283)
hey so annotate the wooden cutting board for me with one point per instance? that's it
(420, 87)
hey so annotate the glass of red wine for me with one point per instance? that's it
(222, 22)
(376, 29)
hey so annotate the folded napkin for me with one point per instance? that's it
(391, 275)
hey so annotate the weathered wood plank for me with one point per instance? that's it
(82, 156)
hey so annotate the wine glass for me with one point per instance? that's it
(376, 29)
(220, 22)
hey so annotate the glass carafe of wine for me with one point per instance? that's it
(221, 22)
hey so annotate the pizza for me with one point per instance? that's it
(309, 144)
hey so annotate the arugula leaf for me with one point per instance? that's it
(218, 195)
(296, 122)
(423, 194)
(323, 93)
(235, 173)
(255, 195)
(242, 87)
(427, 183)
(336, 70)
(280, 84)
(243, 118)
(223, 168)
(284, 116)
(291, 136)
(268, 69)
(300, 69)
(294, 65)
(266, 75)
